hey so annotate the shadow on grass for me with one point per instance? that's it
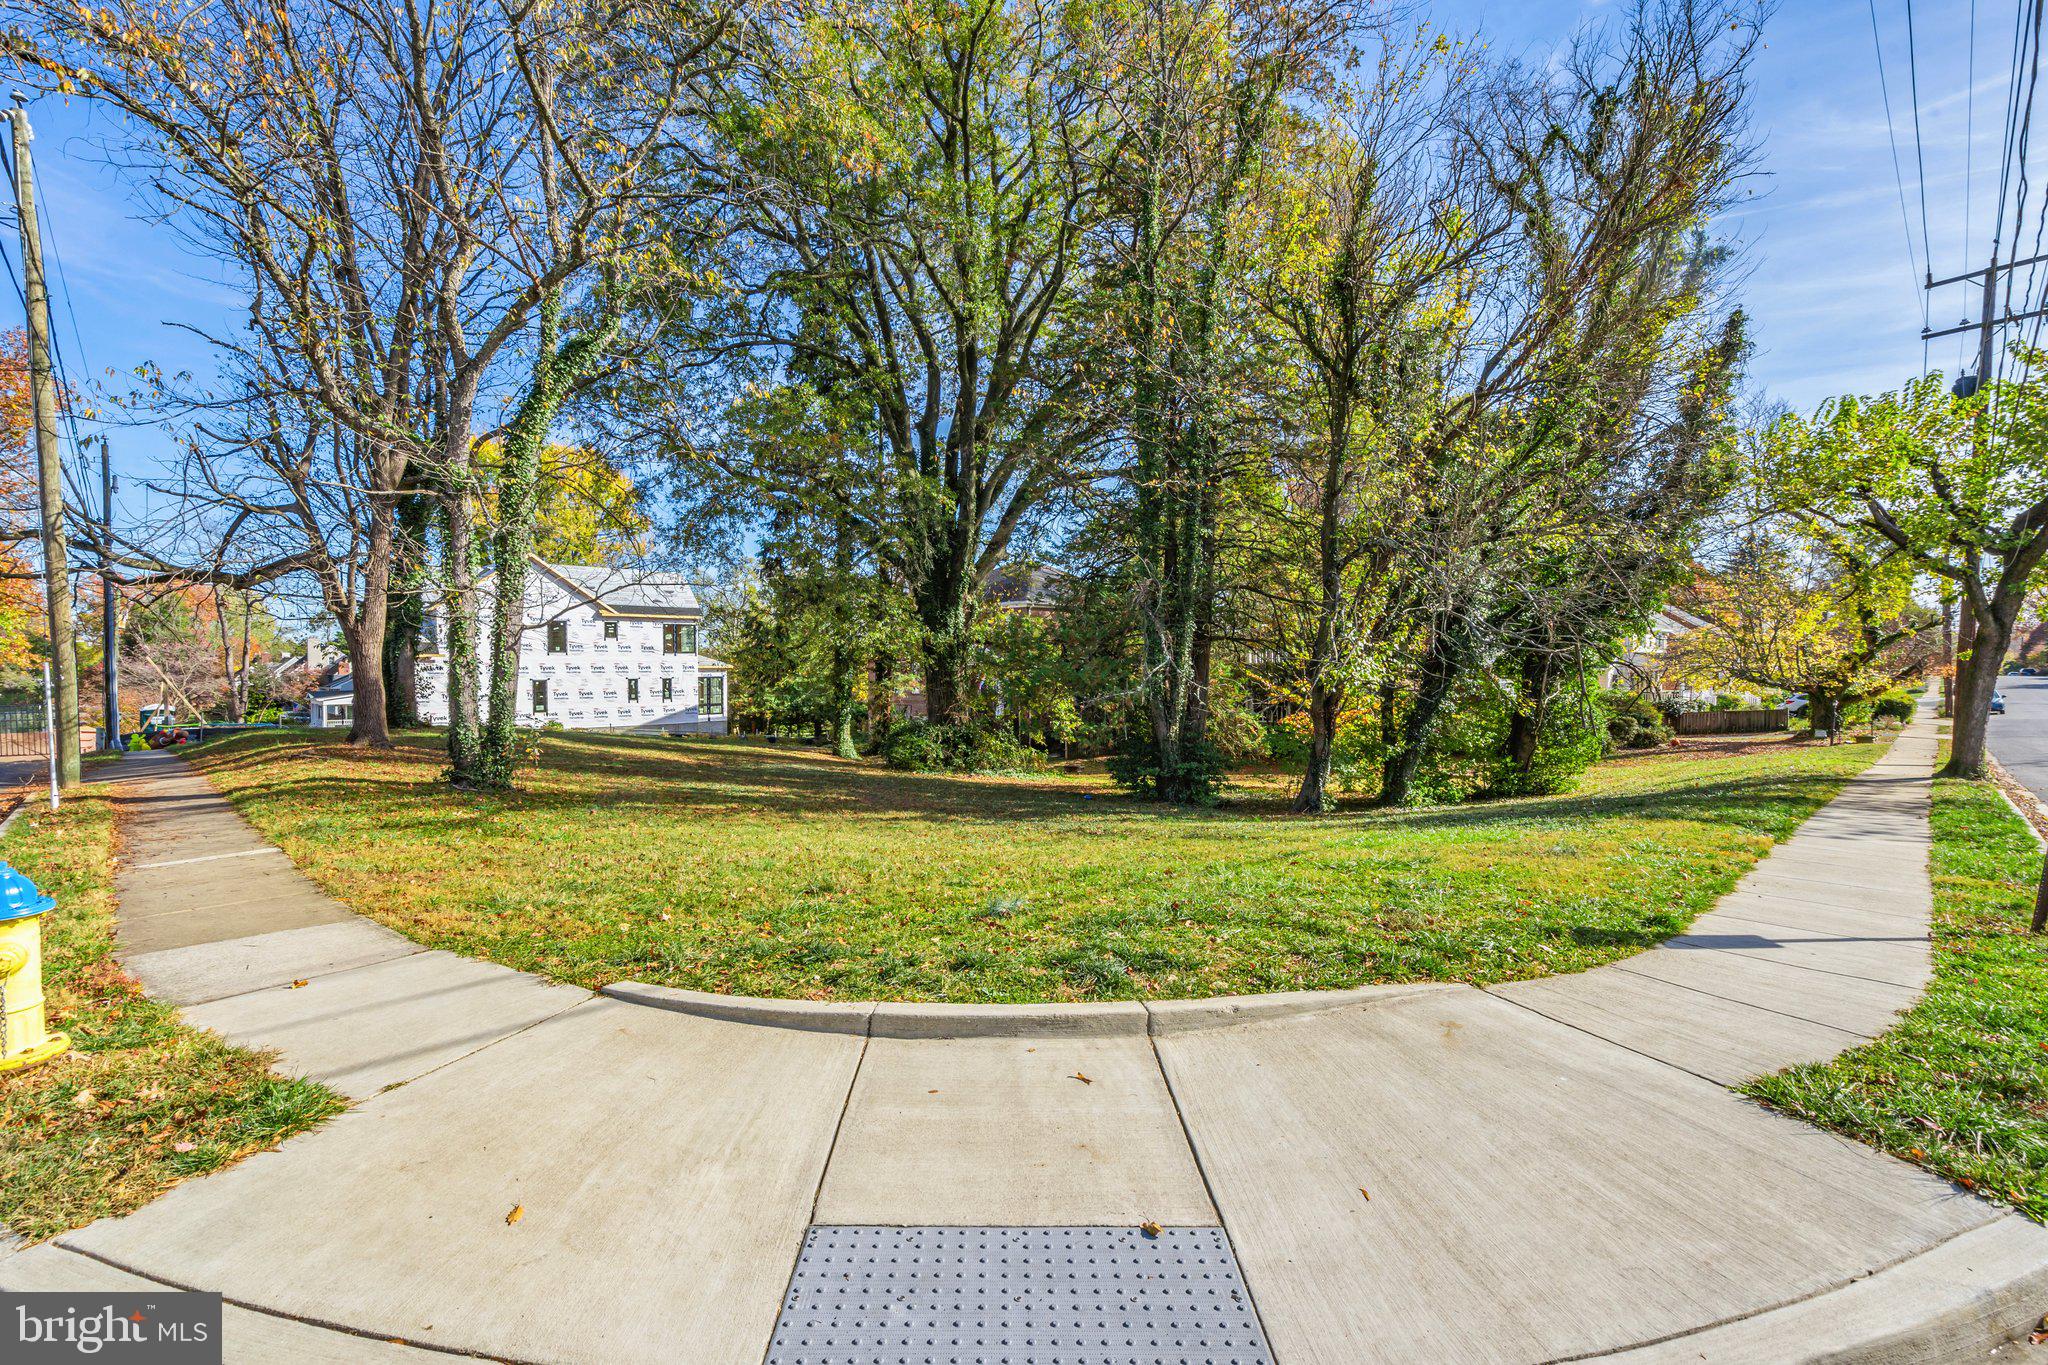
(677, 780)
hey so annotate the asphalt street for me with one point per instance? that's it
(2019, 738)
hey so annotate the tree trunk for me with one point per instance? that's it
(1976, 680)
(459, 551)
(1324, 704)
(408, 612)
(369, 728)
(845, 710)
(1525, 726)
(947, 651)
(881, 702)
(556, 370)
(1825, 717)
(1441, 667)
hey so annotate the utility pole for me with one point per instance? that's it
(49, 471)
(110, 632)
(1986, 327)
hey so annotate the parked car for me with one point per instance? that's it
(1998, 703)
(2029, 672)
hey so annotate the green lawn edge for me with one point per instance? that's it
(750, 869)
(1960, 1084)
(141, 1101)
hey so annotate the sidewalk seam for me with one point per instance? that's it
(1762, 1009)
(1820, 1293)
(817, 1192)
(1576, 1028)
(1187, 1134)
(340, 1329)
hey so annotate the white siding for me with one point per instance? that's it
(587, 684)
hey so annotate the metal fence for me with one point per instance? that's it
(1730, 722)
(22, 732)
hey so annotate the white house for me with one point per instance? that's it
(601, 649)
(332, 705)
(1643, 660)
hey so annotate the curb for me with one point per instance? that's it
(1960, 1301)
(1107, 1019)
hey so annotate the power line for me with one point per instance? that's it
(1969, 158)
(71, 469)
(1919, 146)
(1898, 172)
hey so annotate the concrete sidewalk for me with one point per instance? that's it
(1554, 1168)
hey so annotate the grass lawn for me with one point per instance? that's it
(1960, 1085)
(776, 870)
(141, 1101)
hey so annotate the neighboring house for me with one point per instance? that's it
(315, 666)
(1642, 663)
(332, 705)
(1021, 590)
(601, 649)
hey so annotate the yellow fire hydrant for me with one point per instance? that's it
(23, 1038)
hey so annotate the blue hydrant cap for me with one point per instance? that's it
(19, 898)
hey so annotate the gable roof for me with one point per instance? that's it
(1684, 619)
(628, 592)
(343, 686)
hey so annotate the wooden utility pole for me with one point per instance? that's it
(110, 625)
(49, 470)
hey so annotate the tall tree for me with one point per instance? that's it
(907, 190)
(1957, 487)
(1197, 90)
(1816, 617)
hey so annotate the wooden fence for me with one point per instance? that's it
(1730, 722)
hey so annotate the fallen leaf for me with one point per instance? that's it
(931, 1092)
(296, 984)
(1918, 1154)
(82, 1100)
(1368, 1198)
(1082, 1079)
(1149, 1228)
(184, 1146)
(518, 1212)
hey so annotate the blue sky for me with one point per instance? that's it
(1826, 271)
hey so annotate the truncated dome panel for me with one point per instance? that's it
(1017, 1296)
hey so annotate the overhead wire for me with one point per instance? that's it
(1898, 170)
(2021, 146)
(74, 469)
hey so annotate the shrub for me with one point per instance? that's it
(1198, 780)
(950, 747)
(1893, 706)
(1632, 723)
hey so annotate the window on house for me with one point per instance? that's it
(679, 639)
(632, 689)
(540, 698)
(711, 696)
(611, 630)
(668, 689)
(558, 637)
